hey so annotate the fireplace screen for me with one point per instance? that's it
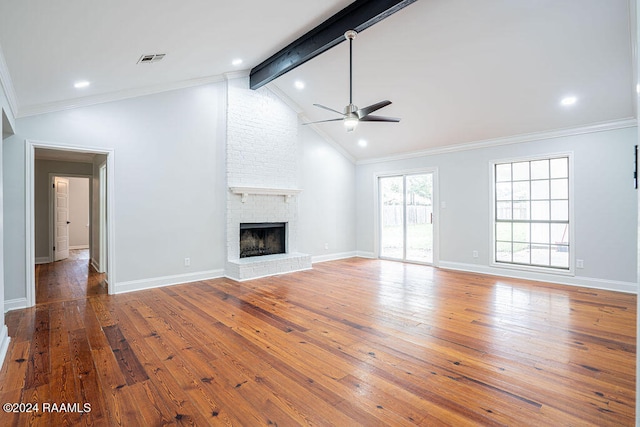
(265, 238)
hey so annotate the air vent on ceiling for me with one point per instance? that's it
(148, 59)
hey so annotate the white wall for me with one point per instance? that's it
(14, 219)
(327, 204)
(169, 182)
(604, 202)
(78, 213)
(636, 55)
(4, 112)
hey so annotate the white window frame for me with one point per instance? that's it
(572, 246)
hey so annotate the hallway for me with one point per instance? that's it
(69, 279)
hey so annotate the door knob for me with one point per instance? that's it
(68, 222)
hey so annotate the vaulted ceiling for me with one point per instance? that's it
(457, 71)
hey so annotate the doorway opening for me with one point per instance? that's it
(66, 271)
(407, 217)
(84, 261)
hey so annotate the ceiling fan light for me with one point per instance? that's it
(350, 123)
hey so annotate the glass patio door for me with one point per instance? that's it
(406, 217)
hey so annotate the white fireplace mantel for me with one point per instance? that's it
(287, 193)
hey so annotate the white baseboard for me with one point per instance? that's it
(586, 282)
(15, 304)
(43, 260)
(4, 343)
(157, 282)
(333, 257)
(79, 247)
(362, 254)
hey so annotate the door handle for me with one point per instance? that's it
(68, 222)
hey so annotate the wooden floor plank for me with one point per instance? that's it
(351, 342)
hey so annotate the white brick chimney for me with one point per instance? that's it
(262, 175)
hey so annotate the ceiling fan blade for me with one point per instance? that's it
(330, 109)
(362, 112)
(324, 121)
(379, 119)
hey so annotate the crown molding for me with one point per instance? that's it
(116, 96)
(515, 139)
(7, 85)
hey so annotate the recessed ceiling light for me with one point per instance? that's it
(299, 84)
(236, 62)
(362, 142)
(568, 100)
(81, 85)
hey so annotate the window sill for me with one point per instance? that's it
(530, 268)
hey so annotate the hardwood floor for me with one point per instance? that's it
(70, 278)
(351, 342)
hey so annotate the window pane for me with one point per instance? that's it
(560, 256)
(521, 232)
(530, 195)
(503, 191)
(521, 253)
(521, 210)
(559, 210)
(540, 210)
(418, 210)
(540, 190)
(503, 252)
(560, 188)
(503, 231)
(503, 172)
(392, 220)
(521, 190)
(540, 233)
(540, 169)
(520, 171)
(540, 255)
(560, 233)
(560, 168)
(503, 210)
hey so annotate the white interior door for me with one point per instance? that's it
(61, 219)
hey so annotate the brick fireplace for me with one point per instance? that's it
(262, 178)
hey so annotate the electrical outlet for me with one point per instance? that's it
(475, 254)
(579, 263)
(187, 262)
(326, 246)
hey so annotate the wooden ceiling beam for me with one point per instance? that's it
(358, 16)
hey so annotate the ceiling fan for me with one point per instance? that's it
(352, 114)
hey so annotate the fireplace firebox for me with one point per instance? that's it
(265, 238)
